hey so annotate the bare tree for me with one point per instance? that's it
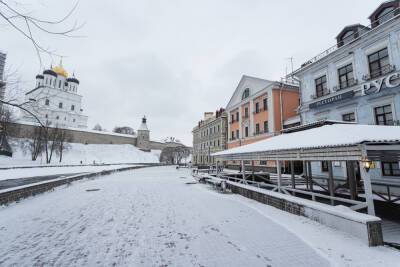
(29, 26)
(174, 154)
(124, 130)
(98, 127)
(62, 142)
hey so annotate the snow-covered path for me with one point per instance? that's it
(148, 217)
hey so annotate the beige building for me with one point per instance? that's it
(209, 136)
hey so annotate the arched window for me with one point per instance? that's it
(246, 93)
(47, 102)
(384, 15)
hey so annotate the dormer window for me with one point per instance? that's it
(384, 12)
(246, 93)
(385, 15)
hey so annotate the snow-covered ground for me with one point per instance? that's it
(32, 172)
(157, 217)
(88, 154)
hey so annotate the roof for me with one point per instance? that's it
(255, 84)
(391, 3)
(336, 135)
(353, 27)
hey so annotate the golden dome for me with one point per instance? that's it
(60, 70)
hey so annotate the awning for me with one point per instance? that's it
(330, 142)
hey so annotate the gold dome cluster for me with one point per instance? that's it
(60, 70)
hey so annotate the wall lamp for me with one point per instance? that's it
(368, 164)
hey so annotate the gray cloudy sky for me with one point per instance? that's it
(173, 60)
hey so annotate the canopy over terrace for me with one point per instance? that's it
(337, 142)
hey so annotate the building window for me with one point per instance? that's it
(246, 112)
(263, 162)
(58, 117)
(246, 131)
(385, 15)
(59, 84)
(72, 107)
(346, 76)
(218, 142)
(257, 107)
(390, 168)
(246, 93)
(46, 116)
(218, 128)
(237, 134)
(349, 117)
(266, 130)
(324, 166)
(232, 118)
(47, 102)
(257, 128)
(379, 63)
(60, 105)
(321, 86)
(383, 115)
(233, 135)
(237, 116)
(265, 104)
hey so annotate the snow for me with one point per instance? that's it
(88, 154)
(157, 217)
(40, 171)
(324, 136)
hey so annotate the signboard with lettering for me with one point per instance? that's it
(375, 86)
(332, 99)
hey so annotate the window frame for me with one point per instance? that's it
(348, 81)
(391, 169)
(378, 72)
(349, 114)
(384, 114)
(321, 87)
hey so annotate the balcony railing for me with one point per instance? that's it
(346, 84)
(380, 72)
(373, 26)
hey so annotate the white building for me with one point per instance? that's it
(55, 100)
(357, 80)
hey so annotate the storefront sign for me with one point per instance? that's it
(375, 86)
(332, 99)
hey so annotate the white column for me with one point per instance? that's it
(240, 122)
(278, 171)
(243, 171)
(366, 177)
(251, 117)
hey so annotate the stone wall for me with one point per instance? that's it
(21, 130)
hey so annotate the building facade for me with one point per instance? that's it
(259, 109)
(55, 100)
(357, 80)
(209, 136)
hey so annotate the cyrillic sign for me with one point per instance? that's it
(375, 86)
(332, 99)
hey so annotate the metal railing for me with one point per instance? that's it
(354, 204)
(372, 26)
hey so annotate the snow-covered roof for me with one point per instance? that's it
(335, 135)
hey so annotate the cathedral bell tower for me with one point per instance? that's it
(143, 136)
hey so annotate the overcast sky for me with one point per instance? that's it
(173, 60)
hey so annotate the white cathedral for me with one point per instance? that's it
(55, 100)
